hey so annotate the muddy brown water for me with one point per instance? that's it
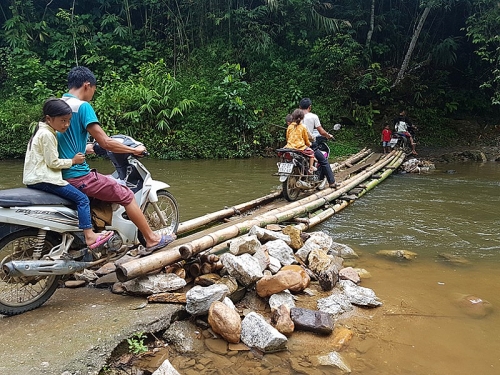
(420, 329)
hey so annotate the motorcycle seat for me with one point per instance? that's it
(22, 197)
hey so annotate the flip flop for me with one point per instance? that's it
(164, 241)
(101, 239)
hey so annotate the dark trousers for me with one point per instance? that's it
(326, 170)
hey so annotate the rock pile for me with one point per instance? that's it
(270, 267)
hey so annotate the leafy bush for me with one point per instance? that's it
(16, 120)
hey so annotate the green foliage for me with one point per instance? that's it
(364, 115)
(347, 142)
(338, 55)
(205, 79)
(482, 28)
(136, 343)
(233, 95)
(147, 100)
(16, 117)
(433, 128)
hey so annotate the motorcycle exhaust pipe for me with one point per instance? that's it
(303, 185)
(17, 268)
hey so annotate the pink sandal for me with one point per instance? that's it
(101, 239)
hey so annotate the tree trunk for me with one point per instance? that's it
(413, 42)
(372, 25)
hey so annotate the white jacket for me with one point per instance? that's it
(42, 163)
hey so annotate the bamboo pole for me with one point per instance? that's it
(329, 212)
(353, 159)
(309, 223)
(195, 223)
(161, 259)
(158, 260)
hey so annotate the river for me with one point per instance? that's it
(420, 329)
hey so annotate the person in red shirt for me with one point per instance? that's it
(386, 138)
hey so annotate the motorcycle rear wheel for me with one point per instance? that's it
(166, 219)
(21, 294)
(404, 145)
(290, 189)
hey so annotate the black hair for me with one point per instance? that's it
(79, 75)
(52, 107)
(305, 103)
(297, 116)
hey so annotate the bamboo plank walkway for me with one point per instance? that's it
(211, 232)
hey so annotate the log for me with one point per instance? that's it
(195, 223)
(353, 159)
(158, 260)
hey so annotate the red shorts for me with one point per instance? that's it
(105, 188)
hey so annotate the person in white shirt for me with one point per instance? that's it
(313, 125)
(42, 167)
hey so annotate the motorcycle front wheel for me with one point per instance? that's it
(162, 216)
(290, 189)
(24, 293)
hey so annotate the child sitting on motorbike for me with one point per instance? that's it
(298, 138)
(42, 167)
(403, 126)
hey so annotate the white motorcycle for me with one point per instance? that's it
(40, 240)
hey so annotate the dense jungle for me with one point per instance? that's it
(215, 79)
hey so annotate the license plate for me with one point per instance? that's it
(285, 168)
(393, 141)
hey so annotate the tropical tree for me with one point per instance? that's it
(482, 28)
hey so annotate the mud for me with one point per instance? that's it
(76, 331)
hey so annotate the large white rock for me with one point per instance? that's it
(160, 283)
(199, 298)
(359, 295)
(244, 268)
(335, 304)
(257, 333)
(281, 298)
(244, 245)
(265, 235)
(280, 250)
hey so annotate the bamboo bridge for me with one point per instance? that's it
(209, 234)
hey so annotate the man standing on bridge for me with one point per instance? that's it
(313, 125)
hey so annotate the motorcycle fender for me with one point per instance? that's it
(6, 229)
(155, 186)
(283, 178)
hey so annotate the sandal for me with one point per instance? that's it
(312, 170)
(164, 241)
(334, 185)
(101, 239)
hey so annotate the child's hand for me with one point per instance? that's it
(78, 158)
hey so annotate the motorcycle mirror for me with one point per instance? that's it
(337, 127)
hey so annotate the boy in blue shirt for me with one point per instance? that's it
(82, 85)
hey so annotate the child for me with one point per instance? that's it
(386, 138)
(297, 137)
(403, 126)
(42, 166)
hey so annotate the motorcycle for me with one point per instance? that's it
(40, 241)
(293, 170)
(400, 142)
